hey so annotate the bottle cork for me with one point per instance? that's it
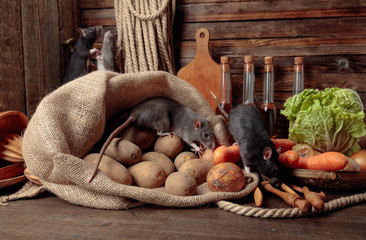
(248, 59)
(268, 64)
(268, 60)
(248, 63)
(224, 59)
(299, 60)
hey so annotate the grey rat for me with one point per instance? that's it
(78, 63)
(107, 57)
(257, 151)
(166, 116)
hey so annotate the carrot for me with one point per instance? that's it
(284, 143)
(258, 197)
(302, 163)
(226, 154)
(327, 161)
(289, 159)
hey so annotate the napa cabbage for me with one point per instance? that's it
(328, 120)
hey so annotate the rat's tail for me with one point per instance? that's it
(117, 131)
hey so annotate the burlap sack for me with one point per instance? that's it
(70, 120)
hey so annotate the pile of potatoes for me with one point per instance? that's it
(137, 156)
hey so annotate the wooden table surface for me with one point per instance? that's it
(48, 217)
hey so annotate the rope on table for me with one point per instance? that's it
(290, 212)
(144, 28)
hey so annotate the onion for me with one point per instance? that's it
(226, 177)
(360, 158)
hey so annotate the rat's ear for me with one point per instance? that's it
(267, 153)
(81, 31)
(197, 123)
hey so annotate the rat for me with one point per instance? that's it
(167, 117)
(78, 64)
(257, 151)
(107, 57)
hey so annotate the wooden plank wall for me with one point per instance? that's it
(11, 68)
(330, 34)
(32, 55)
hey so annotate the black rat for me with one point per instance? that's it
(258, 152)
(107, 57)
(78, 63)
(166, 116)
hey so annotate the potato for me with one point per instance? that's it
(196, 168)
(169, 145)
(148, 174)
(226, 177)
(111, 168)
(123, 151)
(208, 165)
(182, 157)
(181, 184)
(142, 137)
(160, 159)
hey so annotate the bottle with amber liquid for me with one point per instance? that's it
(248, 80)
(298, 85)
(225, 95)
(268, 108)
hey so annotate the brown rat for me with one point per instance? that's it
(78, 63)
(257, 151)
(107, 57)
(166, 116)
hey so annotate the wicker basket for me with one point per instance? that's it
(326, 179)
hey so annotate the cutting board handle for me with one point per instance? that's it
(202, 40)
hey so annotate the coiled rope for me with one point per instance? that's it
(290, 212)
(144, 28)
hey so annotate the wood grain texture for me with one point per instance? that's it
(237, 11)
(278, 47)
(11, 58)
(49, 217)
(344, 27)
(255, 10)
(69, 22)
(41, 43)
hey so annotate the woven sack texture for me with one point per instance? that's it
(71, 119)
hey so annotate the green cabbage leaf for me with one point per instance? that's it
(329, 120)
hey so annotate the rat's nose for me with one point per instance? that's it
(275, 182)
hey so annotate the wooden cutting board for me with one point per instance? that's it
(203, 72)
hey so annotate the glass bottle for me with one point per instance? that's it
(298, 85)
(225, 97)
(268, 108)
(249, 80)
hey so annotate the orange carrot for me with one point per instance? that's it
(289, 159)
(302, 163)
(328, 161)
(226, 154)
(284, 143)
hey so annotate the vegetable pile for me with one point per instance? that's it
(137, 157)
(329, 120)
